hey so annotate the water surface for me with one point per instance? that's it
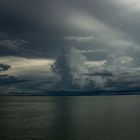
(70, 118)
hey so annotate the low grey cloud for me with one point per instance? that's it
(80, 39)
(112, 74)
(7, 80)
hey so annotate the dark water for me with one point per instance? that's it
(70, 118)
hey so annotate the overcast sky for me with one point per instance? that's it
(77, 44)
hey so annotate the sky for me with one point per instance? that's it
(69, 45)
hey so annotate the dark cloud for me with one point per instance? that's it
(74, 33)
(100, 73)
(5, 80)
(4, 67)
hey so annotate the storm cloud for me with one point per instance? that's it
(92, 44)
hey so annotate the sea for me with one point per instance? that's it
(70, 117)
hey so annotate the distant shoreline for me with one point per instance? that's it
(76, 93)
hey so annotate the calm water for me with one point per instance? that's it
(70, 118)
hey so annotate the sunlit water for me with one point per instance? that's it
(70, 118)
